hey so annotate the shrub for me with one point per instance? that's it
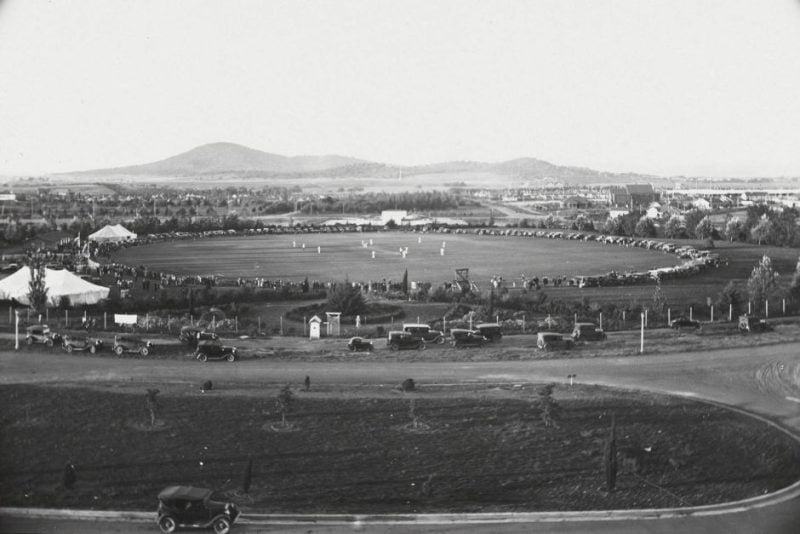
(408, 385)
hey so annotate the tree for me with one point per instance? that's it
(404, 283)
(674, 228)
(734, 229)
(610, 457)
(794, 287)
(704, 228)
(284, 401)
(248, 476)
(692, 219)
(152, 405)
(760, 231)
(659, 301)
(645, 228)
(549, 406)
(37, 290)
(346, 299)
(730, 295)
(763, 282)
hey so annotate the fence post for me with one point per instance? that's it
(749, 307)
(712, 313)
(669, 316)
(601, 320)
(784, 306)
(766, 308)
(691, 313)
(641, 345)
(66, 318)
(281, 324)
(730, 311)
(104, 320)
(236, 323)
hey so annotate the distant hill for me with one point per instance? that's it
(218, 158)
(232, 160)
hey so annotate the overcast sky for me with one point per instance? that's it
(693, 87)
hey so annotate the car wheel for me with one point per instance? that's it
(68, 348)
(93, 349)
(352, 349)
(222, 525)
(394, 346)
(440, 341)
(118, 350)
(49, 342)
(231, 358)
(421, 346)
(202, 357)
(144, 351)
(167, 524)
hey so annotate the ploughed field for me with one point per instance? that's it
(473, 448)
(342, 255)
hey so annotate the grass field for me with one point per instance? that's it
(342, 255)
(486, 448)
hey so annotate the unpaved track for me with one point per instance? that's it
(761, 380)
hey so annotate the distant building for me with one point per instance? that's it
(10, 197)
(393, 215)
(633, 196)
(576, 202)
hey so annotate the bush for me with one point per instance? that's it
(408, 385)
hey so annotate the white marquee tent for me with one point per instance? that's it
(115, 233)
(59, 283)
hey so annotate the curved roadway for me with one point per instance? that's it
(762, 380)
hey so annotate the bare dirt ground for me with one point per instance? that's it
(369, 449)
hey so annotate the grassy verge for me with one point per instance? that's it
(473, 449)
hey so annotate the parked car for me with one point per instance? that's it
(41, 333)
(399, 340)
(588, 332)
(190, 507)
(128, 344)
(684, 322)
(359, 343)
(192, 334)
(424, 331)
(491, 331)
(82, 343)
(752, 323)
(553, 341)
(462, 337)
(214, 350)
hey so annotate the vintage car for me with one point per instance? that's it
(462, 338)
(587, 332)
(41, 333)
(81, 343)
(553, 341)
(399, 340)
(192, 334)
(424, 331)
(127, 344)
(359, 343)
(491, 331)
(684, 322)
(753, 324)
(190, 507)
(214, 350)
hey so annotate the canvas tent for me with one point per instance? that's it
(108, 233)
(59, 283)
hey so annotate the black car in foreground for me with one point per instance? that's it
(359, 343)
(214, 350)
(82, 343)
(398, 340)
(190, 507)
(461, 338)
(41, 334)
(684, 322)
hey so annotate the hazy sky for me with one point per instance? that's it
(695, 87)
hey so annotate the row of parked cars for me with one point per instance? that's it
(418, 336)
(42, 334)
